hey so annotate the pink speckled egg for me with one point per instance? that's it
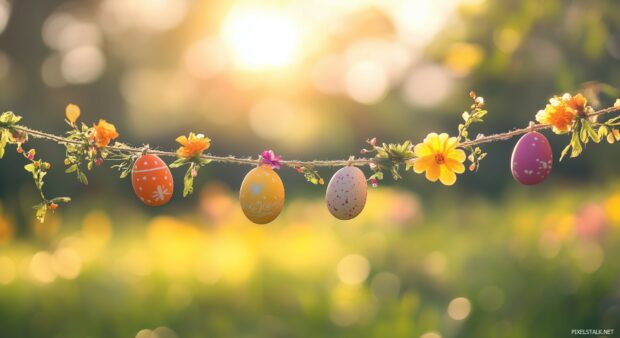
(532, 159)
(346, 193)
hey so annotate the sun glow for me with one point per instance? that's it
(261, 38)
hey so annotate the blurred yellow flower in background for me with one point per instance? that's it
(104, 133)
(561, 112)
(192, 145)
(72, 112)
(439, 157)
(6, 230)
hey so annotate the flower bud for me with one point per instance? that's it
(375, 182)
(610, 138)
(99, 161)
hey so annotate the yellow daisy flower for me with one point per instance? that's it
(439, 157)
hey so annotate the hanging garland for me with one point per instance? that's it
(439, 156)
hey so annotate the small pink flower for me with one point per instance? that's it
(98, 161)
(364, 151)
(269, 158)
(194, 172)
(375, 182)
(373, 141)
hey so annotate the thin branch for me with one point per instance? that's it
(295, 163)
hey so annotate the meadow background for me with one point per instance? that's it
(311, 79)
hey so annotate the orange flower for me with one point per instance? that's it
(104, 133)
(561, 112)
(192, 145)
(72, 112)
(577, 102)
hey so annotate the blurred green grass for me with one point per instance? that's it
(533, 263)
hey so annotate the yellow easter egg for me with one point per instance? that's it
(262, 195)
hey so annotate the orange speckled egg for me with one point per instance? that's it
(152, 180)
(262, 195)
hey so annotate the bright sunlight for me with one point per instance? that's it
(261, 38)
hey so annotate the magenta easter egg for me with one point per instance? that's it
(532, 159)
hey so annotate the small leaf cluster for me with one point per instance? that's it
(10, 134)
(194, 164)
(587, 128)
(311, 174)
(126, 160)
(38, 169)
(82, 154)
(475, 115)
(388, 157)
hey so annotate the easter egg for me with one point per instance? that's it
(532, 159)
(262, 195)
(152, 181)
(346, 193)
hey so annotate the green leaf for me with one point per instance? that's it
(126, 172)
(82, 177)
(594, 135)
(409, 165)
(576, 145)
(60, 200)
(4, 138)
(71, 169)
(188, 182)
(583, 132)
(41, 211)
(565, 151)
(179, 162)
(8, 119)
(30, 168)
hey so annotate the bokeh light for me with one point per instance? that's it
(353, 269)
(427, 85)
(459, 308)
(5, 14)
